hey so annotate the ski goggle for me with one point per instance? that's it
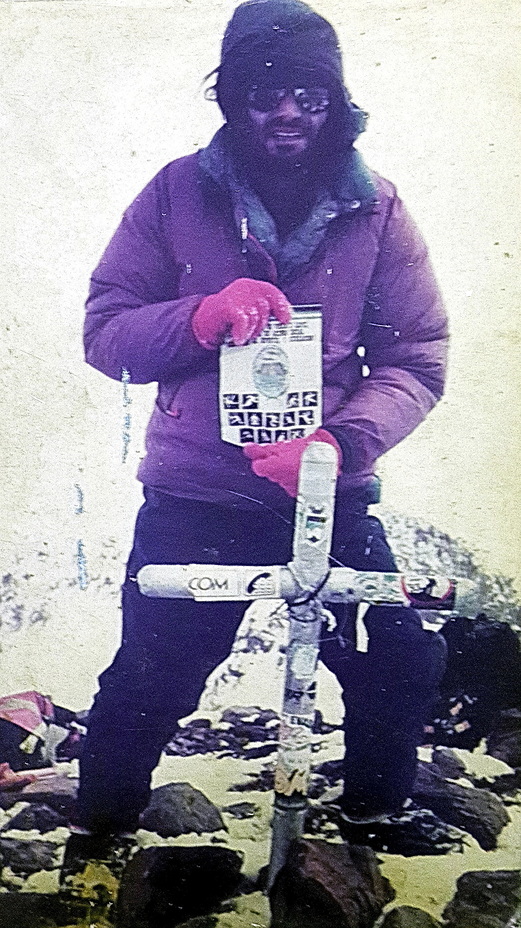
(264, 99)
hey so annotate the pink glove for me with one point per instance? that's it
(241, 310)
(280, 462)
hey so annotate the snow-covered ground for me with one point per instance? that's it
(425, 882)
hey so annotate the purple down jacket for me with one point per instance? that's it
(180, 240)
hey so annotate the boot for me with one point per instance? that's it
(92, 868)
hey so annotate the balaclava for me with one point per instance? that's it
(273, 40)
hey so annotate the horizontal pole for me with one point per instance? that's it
(217, 583)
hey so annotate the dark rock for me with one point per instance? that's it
(38, 816)
(410, 833)
(178, 809)
(507, 786)
(332, 770)
(204, 921)
(238, 728)
(447, 764)
(477, 811)
(262, 751)
(242, 809)
(200, 735)
(261, 782)
(484, 899)
(327, 885)
(197, 723)
(253, 732)
(482, 678)
(505, 741)
(166, 886)
(407, 916)
(317, 785)
(266, 716)
(237, 715)
(195, 740)
(317, 820)
(33, 910)
(320, 727)
(28, 856)
(185, 748)
(9, 798)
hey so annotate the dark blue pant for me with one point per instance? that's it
(170, 646)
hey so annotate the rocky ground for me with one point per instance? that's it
(449, 861)
(458, 841)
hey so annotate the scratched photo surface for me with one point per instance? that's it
(97, 98)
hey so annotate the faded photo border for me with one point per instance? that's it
(97, 97)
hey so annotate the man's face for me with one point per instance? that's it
(285, 123)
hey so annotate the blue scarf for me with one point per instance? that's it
(352, 191)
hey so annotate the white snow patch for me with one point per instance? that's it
(481, 765)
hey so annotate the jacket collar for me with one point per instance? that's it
(352, 191)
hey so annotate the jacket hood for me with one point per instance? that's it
(273, 40)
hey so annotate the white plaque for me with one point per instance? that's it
(271, 389)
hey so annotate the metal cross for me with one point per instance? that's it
(305, 583)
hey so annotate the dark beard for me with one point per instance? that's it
(252, 158)
(287, 188)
